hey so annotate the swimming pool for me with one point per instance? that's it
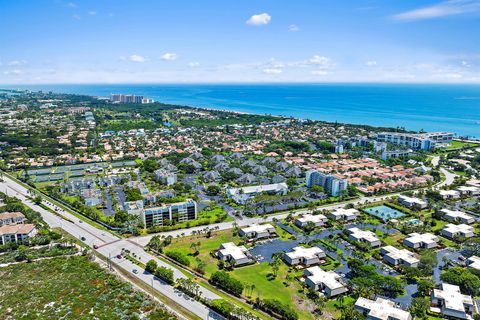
(385, 213)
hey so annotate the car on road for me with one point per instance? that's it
(95, 246)
(80, 221)
(119, 256)
(135, 271)
(83, 238)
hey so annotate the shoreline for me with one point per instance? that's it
(352, 104)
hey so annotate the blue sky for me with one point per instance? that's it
(120, 41)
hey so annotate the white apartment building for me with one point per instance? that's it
(258, 231)
(454, 230)
(450, 302)
(318, 220)
(242, 195)
(449, 194)
(417, 240)
(381, 309)
(328, 282)
(304, 256)
(344, 214)
(410, 202)
(231, 252)
(457, 216)
(396, 256)
(417, 141)
(469, 190)
(364, 236)
(16, 233)
(7, 218)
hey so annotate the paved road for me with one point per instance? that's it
(449, 176)
(110, 245)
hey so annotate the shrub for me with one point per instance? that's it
(227, 283)
(166, 274)
(151, 266)
(179, 257)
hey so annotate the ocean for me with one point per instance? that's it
(428, 107)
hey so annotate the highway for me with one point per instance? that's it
(110, 246)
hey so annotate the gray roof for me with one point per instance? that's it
(259, 169)
(222, 166)
(211, 175)
(249, 163)
(269, 160)
(237, 156)
(278, 179)
(247, 178)
(218, 158)
(236, 171)
(281, 166)
(294, 172)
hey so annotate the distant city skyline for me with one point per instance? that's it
(228, 41)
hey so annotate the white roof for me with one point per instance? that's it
(236, 252)
(345, 212)
(454, 228)
(307, 253)
(457, 214)
(260, 188)
(474, 262)
(327, 278)
(453, 298)
(412, 200)
(468, 188)
(427, 238)
(383, 309)
(363, 234)
(311, 218)
(258, 228)
(401, 254)
(449, 193)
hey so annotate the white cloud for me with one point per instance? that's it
(15, 72)
(273, 66)
(319, 72)
(169, 56)
(466, 64)
(16, 63)
(71, 5)
(76, 17)
(259, 19)
(194, 64)
(293, 28)
(371, 63)
(442, 9)
(137, 58)
(272, 70)
(92, 13)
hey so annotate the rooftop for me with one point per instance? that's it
(382, 309)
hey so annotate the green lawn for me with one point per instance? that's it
(70, 288)
(285, 287)
(207, 245)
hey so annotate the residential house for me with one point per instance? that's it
(304, 256)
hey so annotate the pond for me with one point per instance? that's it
(383, 212)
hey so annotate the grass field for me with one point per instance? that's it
(70, 288)
(207, 245)
(285, 287)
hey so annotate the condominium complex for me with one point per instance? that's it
(331, 184)
(304, 256)
(417, 141)
(381, 309)
(129, 98)
(451, 303)
(170, 213)
(327, 281)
